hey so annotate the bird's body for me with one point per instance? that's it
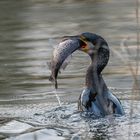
(96, 97)
(89, 102)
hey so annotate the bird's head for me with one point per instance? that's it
(92, 44)
(97, 48)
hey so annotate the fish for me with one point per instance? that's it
(61, 54)
(64, 64)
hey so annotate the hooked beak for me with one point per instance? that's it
(87, 46)
(84, 43)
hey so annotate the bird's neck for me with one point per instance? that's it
(94, 80)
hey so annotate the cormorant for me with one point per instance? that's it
(96, 97)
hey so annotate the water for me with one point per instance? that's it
(29, 31)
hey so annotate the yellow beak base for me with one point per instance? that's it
(85, 47)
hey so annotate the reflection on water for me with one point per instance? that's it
(29, 30)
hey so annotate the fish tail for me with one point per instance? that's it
(51, 78)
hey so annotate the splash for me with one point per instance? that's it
(57, 97)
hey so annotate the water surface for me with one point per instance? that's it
(29, 31)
